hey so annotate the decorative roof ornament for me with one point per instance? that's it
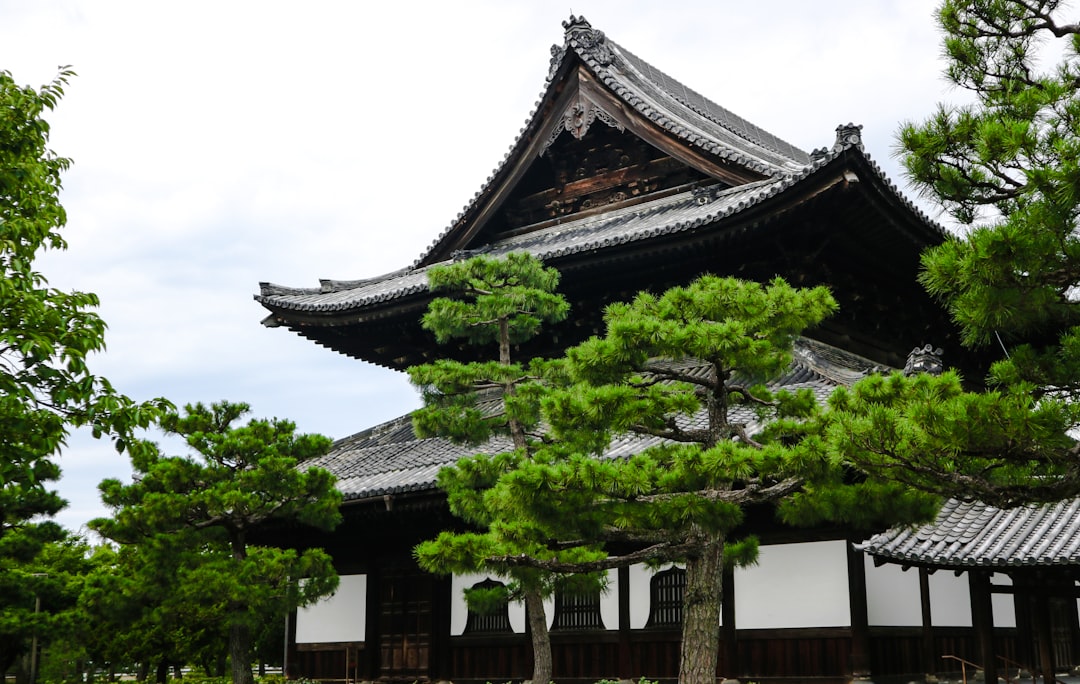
(589, 41)
(578, 117)
(848, 135)
(703, 196)
(924, 360)
(557, 54)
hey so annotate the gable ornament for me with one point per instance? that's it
(576, 119)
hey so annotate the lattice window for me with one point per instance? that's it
(488, 622)
(577, 611)
(666, 591)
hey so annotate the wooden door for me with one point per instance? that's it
(405, 626)
(1062, 619)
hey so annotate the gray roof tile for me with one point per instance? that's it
(976, 534)
(389, 459)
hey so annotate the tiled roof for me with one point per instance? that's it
(682, 111)
(389, 459)
(659, 218)
(661, 99)
(686, 114)
(975, 534)
(665, 216)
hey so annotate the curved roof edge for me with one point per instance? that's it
(973, 534)
(674, 214)
(659, 98)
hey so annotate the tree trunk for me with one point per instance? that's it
(541, 640)
(240, 652)
(701, 615)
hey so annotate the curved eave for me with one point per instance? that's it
(975, 535)
(330, 315)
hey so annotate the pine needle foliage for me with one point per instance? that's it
(500, 303)
(195, 516)
(1007, 167)
(659, 449)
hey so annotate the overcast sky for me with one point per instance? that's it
(220, 144)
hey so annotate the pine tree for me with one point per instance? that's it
(685, 370)
(1007, 167)
(501, 302)
(195, 517)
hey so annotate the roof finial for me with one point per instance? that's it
(589, 43)
(576, 23)
(848, 135)
(924, 360)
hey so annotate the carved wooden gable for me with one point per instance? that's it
(591, 168)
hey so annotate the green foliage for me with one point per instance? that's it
(1004, 447)
(186, 523)
(502, 301)
(512, 297)
(46, 385)
(39, 598)
(47, 335)
(667, 395)
(1008, 166)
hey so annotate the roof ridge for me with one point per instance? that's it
(593, 49)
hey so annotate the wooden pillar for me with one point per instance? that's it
(728, 636)
(929, 651)
(1025, 624)
(1025, 632)
(982, 617)
(1044, 634)
(371, 629)
(288, 662)
(626, 663)
(441, 662)
(860, 623)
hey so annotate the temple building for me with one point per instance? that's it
(624, 179)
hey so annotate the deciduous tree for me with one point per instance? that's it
(46, 335)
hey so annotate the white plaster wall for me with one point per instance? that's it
(950, 599)
(640, 576)
(335, 618)
(459, 610)
(892, 595)
(609, 601)
(1004, 608)
(794, 585)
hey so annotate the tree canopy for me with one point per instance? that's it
(500, 302)
(47, 338)
(46, 335)
(192, 519)
(1007, 167)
